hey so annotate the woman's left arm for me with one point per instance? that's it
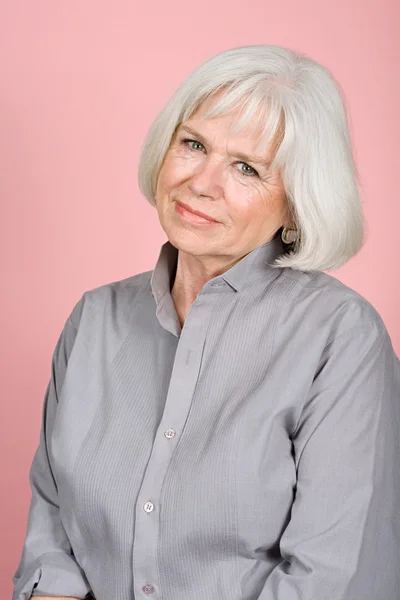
(343, 538)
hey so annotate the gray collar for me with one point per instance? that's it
(251, 267)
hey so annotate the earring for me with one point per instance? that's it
(289, 235)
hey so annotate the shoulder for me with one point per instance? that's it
(328, 300)
(116, 295)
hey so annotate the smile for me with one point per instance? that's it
(192, 217)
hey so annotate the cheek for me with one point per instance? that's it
(174, 172)
(252, 207)
(245, 200)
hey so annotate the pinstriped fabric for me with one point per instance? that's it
(248, 455)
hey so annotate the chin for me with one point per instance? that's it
(188, 241)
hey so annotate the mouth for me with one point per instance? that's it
(191, 215)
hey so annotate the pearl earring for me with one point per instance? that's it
(288, 235)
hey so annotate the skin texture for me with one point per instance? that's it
(247, 199)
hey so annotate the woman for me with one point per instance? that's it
(226, 426)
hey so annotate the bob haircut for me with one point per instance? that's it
(300, 108)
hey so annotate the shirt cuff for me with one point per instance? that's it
(53, 574)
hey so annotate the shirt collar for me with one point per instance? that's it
(252, 266)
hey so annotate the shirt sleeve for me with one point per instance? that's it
(343, 538)
(47, 565)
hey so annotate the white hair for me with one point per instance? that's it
(279, 90)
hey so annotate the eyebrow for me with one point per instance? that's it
(245, 157)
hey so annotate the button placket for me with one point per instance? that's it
(177, 405)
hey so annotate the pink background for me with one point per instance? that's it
(81, 82)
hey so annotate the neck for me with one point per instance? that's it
(191, 275)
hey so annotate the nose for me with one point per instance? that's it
(207, 179)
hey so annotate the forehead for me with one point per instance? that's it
(228, 120)
(250, 123)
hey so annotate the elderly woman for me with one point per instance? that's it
(227, 426)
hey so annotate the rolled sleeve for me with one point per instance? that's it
(52, 574)
(47, 566)
(343, 538)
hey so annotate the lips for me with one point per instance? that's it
(195, 212)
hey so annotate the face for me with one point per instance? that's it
(209, 170)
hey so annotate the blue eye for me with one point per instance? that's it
(253, 172)
(188, 142)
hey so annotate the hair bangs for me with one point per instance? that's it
(260, 113)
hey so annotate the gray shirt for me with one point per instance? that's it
(251, 454)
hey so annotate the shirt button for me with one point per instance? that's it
(169, 433)
(148, 507)
(148, 589)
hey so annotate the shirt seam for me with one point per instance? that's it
(361, 325)
(380, 338)
(73, 324)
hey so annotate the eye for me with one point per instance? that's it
(187, 142)
(252, 173)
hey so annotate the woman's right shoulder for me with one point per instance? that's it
(115, 296)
